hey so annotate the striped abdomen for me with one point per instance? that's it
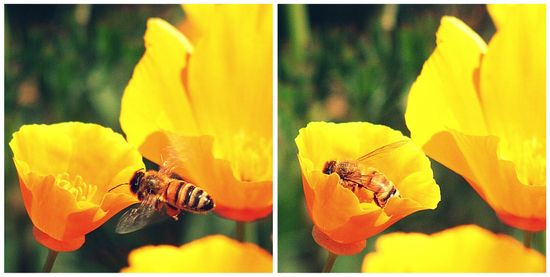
(383, 188)
(188, 197)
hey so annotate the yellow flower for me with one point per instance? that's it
(65, 171)
(466, 248)
(210, 104)
(343, 221)
(480, 110)
(215, 253)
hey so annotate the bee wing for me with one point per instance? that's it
(138, 217)
(168, 165)
(382, 150)
(170, 161)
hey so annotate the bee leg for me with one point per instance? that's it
(381, 205)
(172, 211)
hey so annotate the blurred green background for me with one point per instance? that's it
(72, 63)
(345, 63)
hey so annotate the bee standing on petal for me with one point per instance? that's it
(355, 177)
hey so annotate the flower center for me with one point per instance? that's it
(77, 187)
(530, 161)
(250, 156)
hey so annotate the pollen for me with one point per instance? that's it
(76, 186)
(251, 156)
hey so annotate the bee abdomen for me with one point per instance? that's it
(192, 198)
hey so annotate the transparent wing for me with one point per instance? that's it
(168, 165)
(382, 150)
(141, 215)
(172, 158)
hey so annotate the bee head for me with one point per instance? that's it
(329, 167)
(136, 180)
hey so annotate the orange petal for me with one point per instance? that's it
(533, 224)
(213, 254)
(335, 247)
(65, 245)
(97, 216)
(46, 215)
(467, 248)
(494, 179)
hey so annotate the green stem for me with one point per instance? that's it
(50, 260)
(240, 231)
(298, 28)
(330, 262)
(527, 238)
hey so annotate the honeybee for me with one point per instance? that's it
(161, 192)
(354, 176)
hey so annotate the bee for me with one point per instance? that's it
(161, 192)
(354, 176)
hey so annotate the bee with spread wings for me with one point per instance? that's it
(162, 193)
(354, 177)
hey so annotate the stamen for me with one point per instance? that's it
(77, 187)
(529, 158)
(250, 156)
(531, 165)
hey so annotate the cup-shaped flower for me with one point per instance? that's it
(211, 254)
(342, 219)
(480, 110)
(466, 248)
(209, 104)
(65, 171)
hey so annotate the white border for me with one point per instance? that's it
(275, 126)
(274, 94)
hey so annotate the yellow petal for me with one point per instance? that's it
(513, 88)
(197, 20)
(504, 161)
(235, 199)
(78, 149)
(467, 248)
(445, 94)
(212, 254)
(335, 210)
(222, 97)
(230, 72)
(65, 171)
(155, 98)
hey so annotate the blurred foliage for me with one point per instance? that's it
(72, 63)
(356, 63)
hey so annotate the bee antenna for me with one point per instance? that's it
(117, 186)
